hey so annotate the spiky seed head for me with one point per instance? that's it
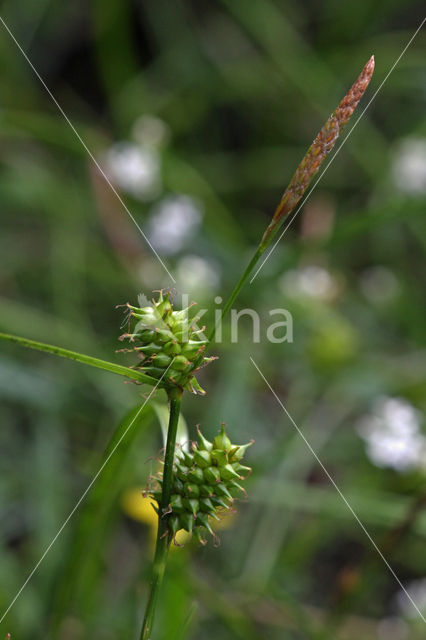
(222, 441)
(212, 475)
(219, 457)
(167, 343)
(196, 475)
(204, 444)
(204, 482)
(202, 458)
(191, 489)
(228, 473)
(237, 453)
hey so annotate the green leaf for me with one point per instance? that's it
(162, 412)
(83, 566)
(84, 359)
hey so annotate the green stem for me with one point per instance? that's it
(248, 270)
(163, 534)
(80, 357)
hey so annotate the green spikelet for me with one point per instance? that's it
(202, 458)
(169, 346)
(205, 481)
(203, 444)
(222, 441)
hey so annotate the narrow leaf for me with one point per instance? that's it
(182, 435)
(83, 358)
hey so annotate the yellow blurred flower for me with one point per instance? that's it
(226, 520)
(140, 508)
(136, 506)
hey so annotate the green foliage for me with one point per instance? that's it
(241, 87)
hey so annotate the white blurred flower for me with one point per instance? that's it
(409, 166)
(392, 435)
(150, 131)
(195, 273)
(379, 284)
(417, 590)
(392, 629)
(134, 169)
(173, 222)
(311, 281)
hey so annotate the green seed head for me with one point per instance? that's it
(206, 491)
(177, 504)
(238, 452)
(196, 475)
(222, 441)
(219, 457)
(163, 336)
(185, 457)
(202, 458)
(241, 469)
(212, 475)
(174, 524)
(163, 305)
(186, 521)
(167, 343)
(155, 372)
(203, 521)
(221, 502)
(191, 489)
(161, 360)
(228, 473)
(222, 490)
(172, 348)
(182, 472)
(207, 506)
(150, 349)
(180, 363)
(178, 485)
(192, 348)
(204, 482)
(204, 444)
(192, 505)
(146, 335)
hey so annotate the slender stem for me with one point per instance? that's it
(234, 294)
(163, 534)
(248, 270)
(81, 357)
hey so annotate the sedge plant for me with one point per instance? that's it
(196, 486)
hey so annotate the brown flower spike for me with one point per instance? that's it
(319, 149)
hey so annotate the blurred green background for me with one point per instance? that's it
(199, 112)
